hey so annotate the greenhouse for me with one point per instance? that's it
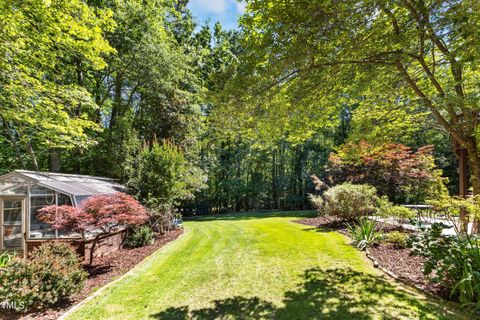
(23, 193)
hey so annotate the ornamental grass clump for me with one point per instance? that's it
(364, 233)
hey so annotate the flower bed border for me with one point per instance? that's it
(396, 277)
(102, 289)
(335, 225)
(90, 290)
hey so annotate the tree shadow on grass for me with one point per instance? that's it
(323, 294)
(230, 308)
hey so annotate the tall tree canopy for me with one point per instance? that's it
(319, 55)
(40, 100)
(246, 116)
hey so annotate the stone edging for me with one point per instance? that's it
(102, 289)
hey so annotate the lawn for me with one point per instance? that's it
(259, 266)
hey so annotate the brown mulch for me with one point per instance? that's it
(324, 222)
(332, 223)
(406, 267)
(104, 270)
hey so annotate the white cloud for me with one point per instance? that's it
(213, 6)
(241, 6)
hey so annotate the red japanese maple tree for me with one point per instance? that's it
(394, 169)
(97, 217)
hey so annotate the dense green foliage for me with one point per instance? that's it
(42, 106)
(99, 87)
(397, 239)
(163, 173)
(452, 206)
(139, 237)
(52, 273)
(400, 213)
(451, 261)
(347, 201)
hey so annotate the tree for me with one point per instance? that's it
(394, 169)
(409, 125)
(323, 53)
(39, 104)
(96, 218)
(151, 88)
(164, 174)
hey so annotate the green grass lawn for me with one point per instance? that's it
(259, 266)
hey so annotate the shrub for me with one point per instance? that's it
(166, 174)
(398, 239)
(451, 261)
(399, 172)
(162, 216)
(52, 273)
(453, 206)
(364, 233)
(139, 237)
(316, 201)
(399, 213)
(223, 211)
(347, 201)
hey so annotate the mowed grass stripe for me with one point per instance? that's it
(259, 266)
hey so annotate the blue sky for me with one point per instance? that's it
(225, 11)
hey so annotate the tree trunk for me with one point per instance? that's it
(275, 185)
(92, 250)
(462, 156)
(33, 156)
(117, 100)
(96, 241)
(55, 160)
(474, 160)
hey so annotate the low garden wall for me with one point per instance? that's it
(105, 246)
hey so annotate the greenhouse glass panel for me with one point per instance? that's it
(37, 189)
(13, 186)
(38, 229)
(64, 200)
(81, 199)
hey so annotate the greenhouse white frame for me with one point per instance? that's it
(23, 192)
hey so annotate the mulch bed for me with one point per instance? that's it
(406, 267)
(104, 270)
(324, 222)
